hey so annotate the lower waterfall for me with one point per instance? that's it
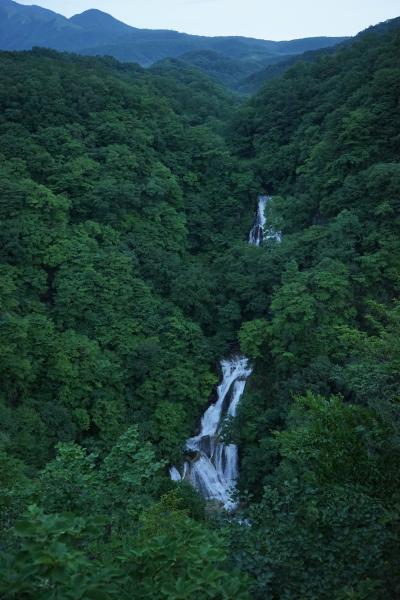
(215, 467)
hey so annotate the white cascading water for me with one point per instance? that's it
(257, 231)
(215, 467)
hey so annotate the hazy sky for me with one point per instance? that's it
(267, 19)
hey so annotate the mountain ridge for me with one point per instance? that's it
(94, 32)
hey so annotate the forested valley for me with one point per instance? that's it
(127, 196)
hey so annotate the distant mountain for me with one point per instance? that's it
(93, 32)
(22, 27)
(99, 21)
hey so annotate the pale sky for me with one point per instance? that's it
(266, 19)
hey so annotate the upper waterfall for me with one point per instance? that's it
(256, 235)
(258, 232)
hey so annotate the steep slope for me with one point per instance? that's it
(117, 159)
(319, 424)
(229, 71)
(246, 74)
(113, 183)
(254, 81)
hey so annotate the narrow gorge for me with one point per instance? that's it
(214, 468)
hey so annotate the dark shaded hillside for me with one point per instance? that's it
(229, 71)
(247, 73)
(253, 82)
(383, 27)
(319, 426)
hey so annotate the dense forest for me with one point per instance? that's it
(126, 200)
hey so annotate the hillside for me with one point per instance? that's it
(319, 425)
(231, 72)
(126, 275)
(251, 83)
(113, 181)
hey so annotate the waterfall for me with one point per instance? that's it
(215, 467)
(174, 474)
(257, 231)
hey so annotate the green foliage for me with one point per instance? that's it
(171, 555)
(320, 474)
(328, 525)
(16, 491)
(318, 139)
(128, 479)
(51, 563)
(105, 176)
(179, 558)
(369, 368)
(117, 488)
(253, 337)
(340, 443)
(125, 274)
